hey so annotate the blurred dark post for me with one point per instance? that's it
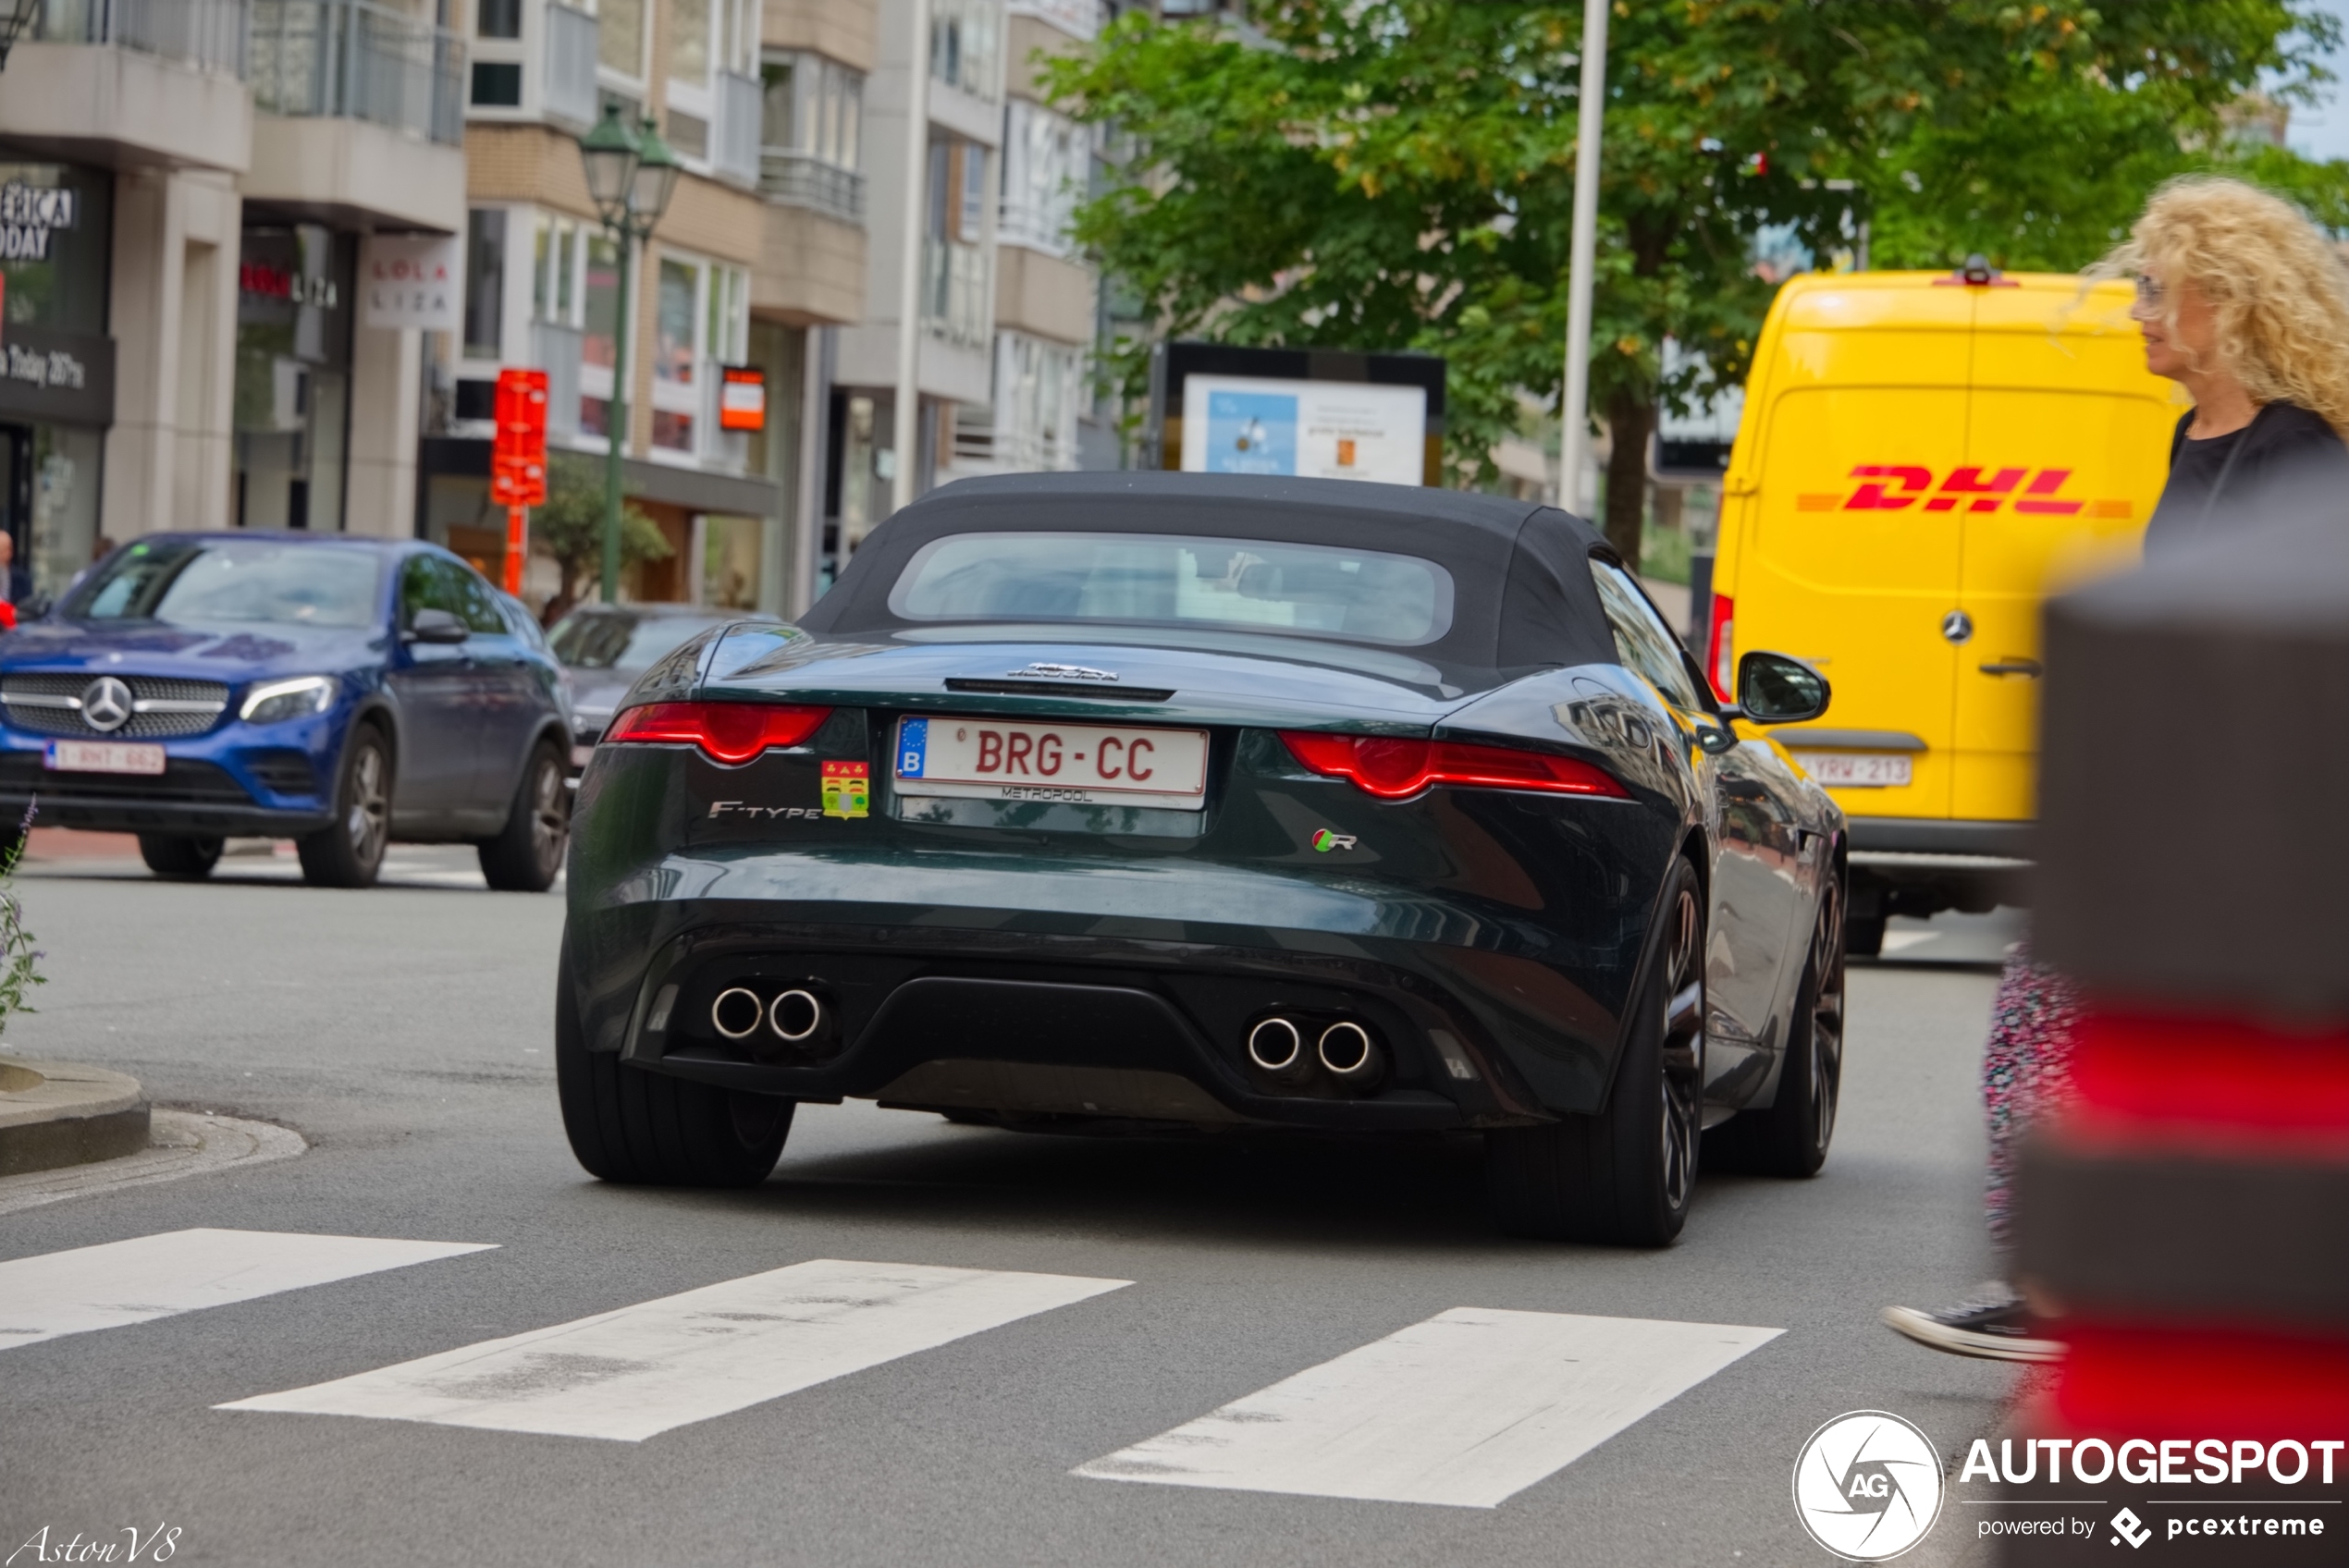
(2188, 1217)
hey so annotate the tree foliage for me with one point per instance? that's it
(1385, 175)
(569, 527)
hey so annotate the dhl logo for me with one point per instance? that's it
(1892, 487)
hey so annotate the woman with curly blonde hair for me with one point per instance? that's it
(2246, 303)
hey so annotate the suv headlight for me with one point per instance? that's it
(277, 701)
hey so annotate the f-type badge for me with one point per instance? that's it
(848, 789)
(1325, 840)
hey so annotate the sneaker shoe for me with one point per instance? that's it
(1996, 1328)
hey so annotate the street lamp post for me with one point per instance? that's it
(631, 174)
(1574, 436)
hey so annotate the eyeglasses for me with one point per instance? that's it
(2149, 297)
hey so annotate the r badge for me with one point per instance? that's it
(1324, 841)
(848, 789)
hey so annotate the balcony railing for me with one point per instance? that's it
(347, 59)
(955, 288)
(209, 35)
(800, 180)
(569, 85)
(733, 143)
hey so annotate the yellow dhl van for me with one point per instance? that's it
(1920, 457)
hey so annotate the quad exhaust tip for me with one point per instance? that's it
(795, 1016)
(1277, 1046)
(736, 1012)
(1348, 1053)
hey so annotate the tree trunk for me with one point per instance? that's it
(1631, 420)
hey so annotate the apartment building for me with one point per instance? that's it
(186, 188)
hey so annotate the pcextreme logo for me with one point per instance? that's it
(1892, 487)
(1867, 1486)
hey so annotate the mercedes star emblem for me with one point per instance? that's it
(1957, 625)
(105, 704)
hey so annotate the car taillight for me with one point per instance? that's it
(728, 732)
(1720, 658)
(1394, 768)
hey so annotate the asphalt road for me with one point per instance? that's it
(405, 1031)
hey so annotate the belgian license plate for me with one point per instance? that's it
(997, 759)
(1856, 770)
(102, 756)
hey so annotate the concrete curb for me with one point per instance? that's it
(57, 1114)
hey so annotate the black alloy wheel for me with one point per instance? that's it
(186, 859)
(627, 1125)
(527, 853)
(1624, 1176)
(348, 852)
(1790, 1137)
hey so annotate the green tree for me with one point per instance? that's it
(1382, 175)
(569, 527)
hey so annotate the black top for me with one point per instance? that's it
(2286, 459)
(1521, 576)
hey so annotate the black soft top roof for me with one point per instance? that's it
(1523, 597)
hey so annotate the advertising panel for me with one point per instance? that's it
(1311, 429)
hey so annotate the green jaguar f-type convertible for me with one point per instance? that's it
(1125, 801)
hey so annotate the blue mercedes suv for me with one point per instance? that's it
(336, 691)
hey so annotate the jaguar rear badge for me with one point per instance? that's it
(1060, 672)
(1324, 841)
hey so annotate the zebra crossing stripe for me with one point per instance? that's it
(643, 1370)
(160, 1276)
(1465, 1409)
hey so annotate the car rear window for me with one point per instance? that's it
(599, 640)
(1177, 580)
(211, 582)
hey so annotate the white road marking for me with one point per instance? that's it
(631, 1373)
(1901, 941)
(150, 1276)
(1465, 1409)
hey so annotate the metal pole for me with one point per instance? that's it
(617, 426)
(1574, 443)
(905, 421)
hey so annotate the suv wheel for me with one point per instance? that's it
(348, 852)
(525, 857)
(188, 860)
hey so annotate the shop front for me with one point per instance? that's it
(294, 290)
(56, 369)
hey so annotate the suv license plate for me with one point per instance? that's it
(100, 756)
(994, 759)
(1856, 770)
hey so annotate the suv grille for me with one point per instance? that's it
(161, 706)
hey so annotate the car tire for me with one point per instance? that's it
(1790, 1137)
(186, 859)
(1625, 1176)
(1864, 936)
(527, 854)
(627, 1125)
(348, 852)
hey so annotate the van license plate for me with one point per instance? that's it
(1856, 770)
(993, 759)
(102, 756)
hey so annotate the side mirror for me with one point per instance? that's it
(434, 626)
(1776, 689)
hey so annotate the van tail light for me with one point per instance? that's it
(1720, 658)
(1394, 769)
(732, 733)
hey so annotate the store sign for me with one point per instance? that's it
(267, 282)
(48, 375)
(28, 214)
(409, 281)
(741, 398)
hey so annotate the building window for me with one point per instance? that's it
(600, 321)
(486, 283)
(812, 114)
(962, 46)
(497, 84)
(620, 37)
(1046, 161)
(499, 19)
(701, 320)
